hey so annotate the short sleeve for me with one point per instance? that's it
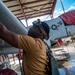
(26, 43)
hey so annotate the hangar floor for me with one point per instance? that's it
(66, 65)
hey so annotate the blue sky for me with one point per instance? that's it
(68, 5)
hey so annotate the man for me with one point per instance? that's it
(34, 50)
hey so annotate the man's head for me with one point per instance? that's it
(39, 30)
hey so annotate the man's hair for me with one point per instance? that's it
(42, 25)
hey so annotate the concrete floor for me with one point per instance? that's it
(67, 66)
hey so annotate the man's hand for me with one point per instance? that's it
(2, 27)
(8, 36)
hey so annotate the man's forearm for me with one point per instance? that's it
(8, 36)
(3, 31)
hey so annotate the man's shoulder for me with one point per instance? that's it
(24, 36)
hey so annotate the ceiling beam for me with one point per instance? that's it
(28, 17)
(30, 7)
(8, 1)
(30, 3)
(44, 9)
(53, 6)
(33, 2)
(35, 14)
(22, 11)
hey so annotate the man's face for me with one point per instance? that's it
(33, 32)
(37, 32)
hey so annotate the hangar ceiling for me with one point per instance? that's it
(25, 9)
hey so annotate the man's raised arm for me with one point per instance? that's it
(8, 36)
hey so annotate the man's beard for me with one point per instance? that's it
(33, 34)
